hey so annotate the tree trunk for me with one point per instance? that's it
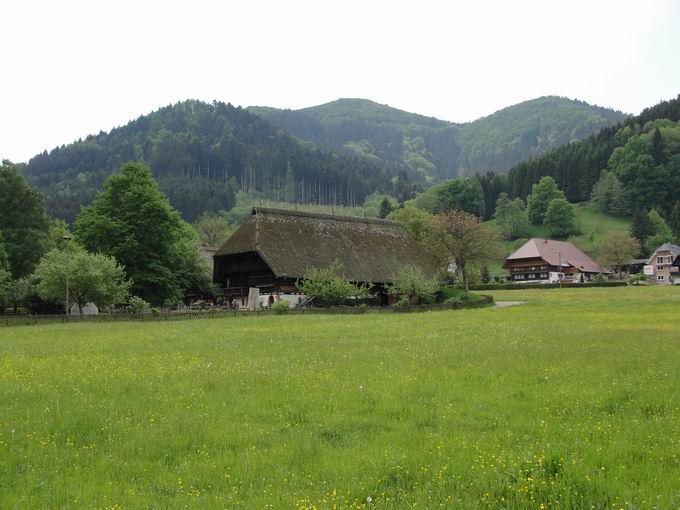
(465, 280)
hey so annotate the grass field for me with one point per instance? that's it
(568, 401)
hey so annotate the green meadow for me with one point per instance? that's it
(568, 401)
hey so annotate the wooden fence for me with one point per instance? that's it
(221, 313)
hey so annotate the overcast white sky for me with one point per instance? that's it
(72, 68)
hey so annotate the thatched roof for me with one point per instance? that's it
(290, 242)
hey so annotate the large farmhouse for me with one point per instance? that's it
(661, 268)
(274, 248)
(548, 261)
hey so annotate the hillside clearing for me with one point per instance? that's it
(568, 401)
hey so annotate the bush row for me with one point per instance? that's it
(517, 286)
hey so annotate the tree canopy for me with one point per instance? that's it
(92, 278)
(463, 238)
(617, 249)
(132, 221)
(542, 193)
(560, 218)
(23, 222)
(511, 217)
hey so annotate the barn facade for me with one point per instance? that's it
(273, 249)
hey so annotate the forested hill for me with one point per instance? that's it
(642, 151)
(201, 154)
(435, 150)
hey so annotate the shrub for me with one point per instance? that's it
(280, 307)
(520, 286)
(411, 284)
(636, 279)
(137, 305)
(329, 287)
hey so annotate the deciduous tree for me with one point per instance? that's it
(542, 193)
(609, 195)
(560, 218)
(463, 238)
(617, 249)
(413, 220)
(214, 229)
(134, 223)
(511, 216)
(92, 278)
(23, 222)
(662, 233)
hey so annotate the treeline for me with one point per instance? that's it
(201, 154)
(577, 166)
(130, 248)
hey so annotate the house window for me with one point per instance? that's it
(544, 275)
(532, 276)
(659, 260)
(660, 277)
(670, 259)
(517, 277)
(659, 268)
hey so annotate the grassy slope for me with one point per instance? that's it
(593, 224)
(568, 401)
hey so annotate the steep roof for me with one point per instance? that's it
(290, 242)
(555, 251)
(674, 250)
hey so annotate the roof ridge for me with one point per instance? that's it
(323, 216)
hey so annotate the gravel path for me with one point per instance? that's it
(506, 304)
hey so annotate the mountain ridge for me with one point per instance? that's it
(439, 149)
(336, 153)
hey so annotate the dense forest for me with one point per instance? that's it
(433, 150)
(202, 154)
(642, 151)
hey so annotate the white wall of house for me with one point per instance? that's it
(661, 271)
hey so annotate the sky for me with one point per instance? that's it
(73, 68)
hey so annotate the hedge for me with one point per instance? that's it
(518, 286)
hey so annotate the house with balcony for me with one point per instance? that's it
(274, 248)
(662, 267)
(548, 261)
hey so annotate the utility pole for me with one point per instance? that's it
(67, 238)
(560, 274)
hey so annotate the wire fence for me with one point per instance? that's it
(222, 313)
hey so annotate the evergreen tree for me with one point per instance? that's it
(385, 208)
(641, 228)
(289, 189)
(674, 221)
(657, 147)
(132, 221)
(542, 194)
(23, 222)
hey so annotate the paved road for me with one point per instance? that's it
(506, 304)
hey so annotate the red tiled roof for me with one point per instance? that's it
(554, 251)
